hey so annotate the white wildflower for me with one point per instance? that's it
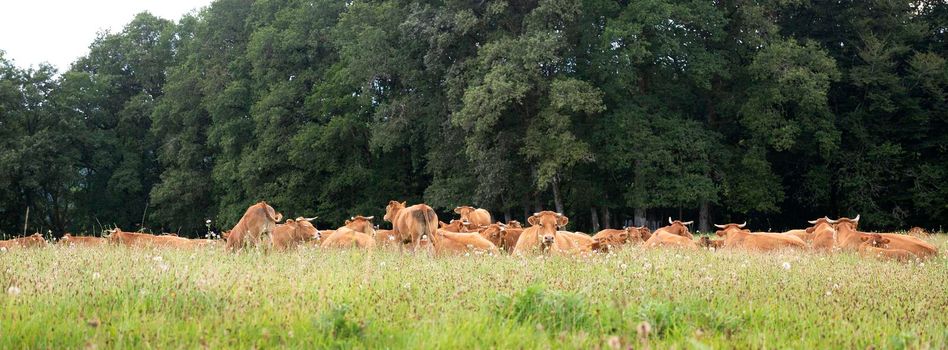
(13, 290)
(623, 266)
(786, 265)
(157, 258)
(96, 275)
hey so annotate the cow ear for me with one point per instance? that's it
(403, 203)
(532, 220)
(562, 221)
(348, 222)
(885, 241)
(810, 229)
(441, 224)
(864, 238)
(721, 233)
(290, 221)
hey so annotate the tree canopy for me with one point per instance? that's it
(612, 112)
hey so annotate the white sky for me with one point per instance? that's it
(60, 31)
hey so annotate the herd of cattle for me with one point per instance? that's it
(417, 228)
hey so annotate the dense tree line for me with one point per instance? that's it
(611, 112)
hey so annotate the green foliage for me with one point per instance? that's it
(780, 111)
(553, 311)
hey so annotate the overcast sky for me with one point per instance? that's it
(59, 31)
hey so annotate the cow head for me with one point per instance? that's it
(679, 228)
(463, 210)
(305, 227)
(638, 234)
(35, 239)
(392, 209)
(707, 242)
(362, 224)
(514, 224)
(456, 226)
(875, 240)
(848, 223)
(731, 229)
(494, 233)
(548, 222)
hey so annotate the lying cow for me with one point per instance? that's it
(822, 236)
(874, 245)
(849, 238)
(736, 237)
(411, 223)
(609, 239)
(458, 226)
(542, 236)
(446, 242)
(362, 224)
(345, 237)
(34, 240)
(675, 235)
(147, 240)
(259, 219)
(475, 216)
(501, 235)
(707, 242)
(70, 240)
(293, 233)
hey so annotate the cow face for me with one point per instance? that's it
(392, 209)
(456, 226)
(548, 222)
(463, 210)
(306, 228)
(362, 224)
(494, 233)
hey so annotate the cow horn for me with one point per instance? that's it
(370, 217)
(311, 219)
(559, 214)
(670, 220)
(856, 219)
(719, 226)
(536, 214)
(742, 225)
(813, 221)
(688, 222)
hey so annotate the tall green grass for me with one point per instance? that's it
(71, 297)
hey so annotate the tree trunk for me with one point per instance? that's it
(704, 217)
(507, 215)
(594, 218)
(639, 217)
(606, 218)
(557, 200)
(536, 203)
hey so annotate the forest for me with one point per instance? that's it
(612, 112)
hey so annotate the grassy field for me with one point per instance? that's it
(61, 297)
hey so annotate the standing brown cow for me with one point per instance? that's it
(411, 224)
(259, 219)
(476, 216)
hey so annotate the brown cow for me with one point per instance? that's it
(146, 240)
(707, 242)
(874, 245)
(386, 238)
(447, 242)
(543, 236)
(362, 224)
(608, 239)
(735, 236)
(413, 223)
(70, 240)
(501, 235)
(800, 233)
(34, 240)
(476, 216)
(822, 236)
(458, 226)
(918, 232)
(676, 234)
(514, 224)
(345, 237)
(259, 219)
(848, 237)
(293, 233)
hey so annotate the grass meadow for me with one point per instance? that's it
(114, 297)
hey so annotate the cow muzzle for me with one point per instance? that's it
(548, 240)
